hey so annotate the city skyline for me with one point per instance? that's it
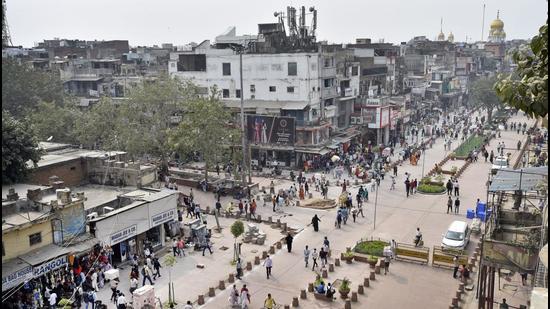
(179, 22)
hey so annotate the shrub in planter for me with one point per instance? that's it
(347, 256)
(454, 169)
(371, 247)
(428, 188)
(345, 288)
(372, 260)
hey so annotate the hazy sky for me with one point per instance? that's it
(183, 21)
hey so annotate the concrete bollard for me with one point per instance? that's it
(348, 304)
(324, 274)
(264, 255)
(377, 269)
(284, 227)
(259, 218)
(256, 260)
(310, 287)
(310, 195)
(207, 209)
(231, 278)
(211, 292)
(366, 282)
(336, 262)
(271, 250)
(227, 214)
(200, 301)
(354, 296)
(221, 285)
(295, 302)
(461, 286)
(287, 307)
(303, 294)
(269, 220)
(454, 302)
(360, 290)
(278, 245)
(372, 276)
(248, 266)
(458, 294)
(297, 203)
(331, 267)
(279, 223)
(329, 254)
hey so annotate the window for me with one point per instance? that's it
(328, 83)
(225, 93)
(35, 238)
(328, 62)
(272, 88)
(354, 71)
(292, 69)
(226, 69)
(238, 93)
(195, 63)
(252, 88)
(290, 89)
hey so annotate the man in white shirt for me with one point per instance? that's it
(268, 263)
(53, 299)
(121, 301)
(188, 305)
(306, 255)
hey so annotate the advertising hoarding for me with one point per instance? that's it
(271, 130)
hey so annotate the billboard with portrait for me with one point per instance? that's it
(271, 130)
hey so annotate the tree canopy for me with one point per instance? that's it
(485, 96)
(23, 88)
(204, 128)
(18, 147)
(527, 87)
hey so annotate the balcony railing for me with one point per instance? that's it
(329, 92)
(328, 72)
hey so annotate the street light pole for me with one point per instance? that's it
(242, 117)
(375, 204)
(423, 160)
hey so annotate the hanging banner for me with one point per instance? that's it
(48, 266)
(271, 130)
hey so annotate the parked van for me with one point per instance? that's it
(457, 236)
(499, 162)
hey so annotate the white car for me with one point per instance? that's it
(499, 162)
(457, 236)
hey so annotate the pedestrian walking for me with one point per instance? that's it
(289, 239)
(234, 296)
(338, 222)
(354, 214)
(392, 187)
(121, 301)
(307, 252)
(146, 273)
(449, 204)
(175, 247)
(449, 187)
(181, 246)
(157, 267)
(395, 170)
(407, 186)
(269, 302)
(314, 256)
(114, 289)
(393, 248)
(207, 245)
(456, 187)
(323, 256)
(387, 259)
(197, 211)
(457, 205)
(315, 222)
(268, 263)
(239, 268)
(245, 297)
(456, 264)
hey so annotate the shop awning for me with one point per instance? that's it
(317, 151)
(524, 179)
(44, 254)
(83, 246)
(14, 272)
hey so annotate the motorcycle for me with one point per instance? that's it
(418, 242)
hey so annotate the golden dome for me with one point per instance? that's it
(497, 23)
(451, 37)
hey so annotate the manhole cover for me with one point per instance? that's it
(224, 248)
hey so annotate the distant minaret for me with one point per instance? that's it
(6, 38)
(483, 23)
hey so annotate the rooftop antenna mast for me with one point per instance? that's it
(483, 23)
(6, 37)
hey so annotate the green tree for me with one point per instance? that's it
(204, 128)
(56, 121)
(97, 127)
(18, 147)
(237, 229)
(485, 96)
(23, 88)
(527, 87)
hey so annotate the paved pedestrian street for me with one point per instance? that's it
(408, 284)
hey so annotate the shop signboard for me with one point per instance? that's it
(271, 129)
(50, 265)
(124, 234)
(163, 217)
(16, 277)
